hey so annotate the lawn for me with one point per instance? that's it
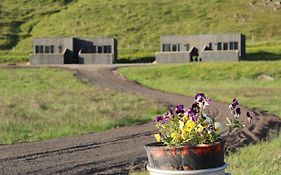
(224, 81)
(42, 103)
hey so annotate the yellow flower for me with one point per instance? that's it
(189, 125)
(183, 135)
(158, 137)
(185, 118)
(199, 128)
(175, 136)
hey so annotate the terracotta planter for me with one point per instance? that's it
(198, 157)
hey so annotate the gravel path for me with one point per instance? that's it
(116, 151)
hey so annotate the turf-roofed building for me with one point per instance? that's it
(210, 47)
(74, 51)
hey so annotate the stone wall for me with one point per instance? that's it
(173, 57)
(46, 59)
(88, 58)
(225, 56)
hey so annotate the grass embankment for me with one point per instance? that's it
(41, 103)
(223, 81)
(138, 24)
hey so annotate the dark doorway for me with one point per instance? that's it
(194, 54)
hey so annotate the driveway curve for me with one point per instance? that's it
(118, 150)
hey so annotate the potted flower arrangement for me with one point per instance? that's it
(189, 140)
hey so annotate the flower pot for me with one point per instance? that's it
(198, 157)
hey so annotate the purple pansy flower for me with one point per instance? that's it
(199, 97)
(234, 103)
(179, 109)
(158, 119)
(195, 107)
(192, 115)
(249, 116)
(207, 102)
(166, 117)
(238, 111)
(171, 111)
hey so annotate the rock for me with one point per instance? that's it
(265, 77)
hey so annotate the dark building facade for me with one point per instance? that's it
(74, 51)
(210, 47)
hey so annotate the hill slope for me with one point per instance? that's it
(138, 24)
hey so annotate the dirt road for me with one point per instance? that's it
(115, 151)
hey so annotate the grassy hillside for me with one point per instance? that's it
(138, 24)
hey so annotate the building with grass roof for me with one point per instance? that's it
(210, 47)
(74, 51)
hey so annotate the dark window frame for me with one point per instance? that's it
(37, 49)
(41, 49)
(187, 46)
(231, 45)
(52, 49)
(236, 45)
(219, 46)
(166, 47)
(225, 46)
(210, 47)
(60, 49)
(99, 49)
(46, 49)
(174, 48)
(107, 49)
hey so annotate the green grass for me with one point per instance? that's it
(138, 24)
(41, 103)
(224, 81)
(263, 158)
(221, 81)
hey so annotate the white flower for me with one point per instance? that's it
(218, 126)
(181, 124)
(208, 120)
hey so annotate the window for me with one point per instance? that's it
(210, 47)
(94, 49)
(231, 45)
(235, 45)
(99, 49)
(106, 49)
(37, 49)
(225, 46)
(51, 49)
(219, 46)
(174, 47)
(47, 49)
(166, 47)
(41, 49)
(60, 49)
(187, 47)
